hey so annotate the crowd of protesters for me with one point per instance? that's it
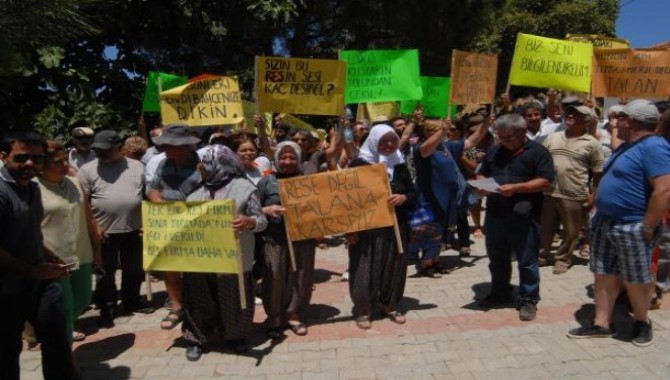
(601, 188)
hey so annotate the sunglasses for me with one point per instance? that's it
(22, 158)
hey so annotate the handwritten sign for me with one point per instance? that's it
(375, 76)
(551, 63)
(435, 99)
(631, 73)
(210, 101)
(190, 237)
(598, 41)
(373, 111)
(151, 101)
(294, 122)
(473, 77)
(299, 85)
(336, 202)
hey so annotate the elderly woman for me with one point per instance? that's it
(377, 271)
(285, 292)
(212, 301)
(69, 231)
(255, 166)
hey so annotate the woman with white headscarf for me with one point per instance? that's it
(377, 271)
(285, 292)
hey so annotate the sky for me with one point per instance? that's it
(644, 22)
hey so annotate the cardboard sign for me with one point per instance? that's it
(151, 101)
(435, 101)
(211, 101)
(551, 63)
(373, 111)
(299, 85)
(294, 122)
(633, 73)
(473, 77)
(599, 42)
(375, 76)
(190, 237)
(336, 202)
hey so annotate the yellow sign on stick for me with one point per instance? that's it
(336, 202)
(633, 73)
(209, 101)
(551, 63)
(598, 41)
(190, 237)
(300, 85)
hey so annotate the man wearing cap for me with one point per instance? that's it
(115, 186)
(177, 175)
(633, 195)
(82, 138)
(575, 153)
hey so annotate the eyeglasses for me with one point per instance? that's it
(22, 158)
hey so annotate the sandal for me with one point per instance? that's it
(78, 336)
(363, 322)
(171, 320)
(396, 317)
(275, 333)
(431, 272)
(478, 233)
(299, 328)
(585, 251)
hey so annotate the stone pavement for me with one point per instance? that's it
(446, 336)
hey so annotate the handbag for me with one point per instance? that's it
(421, 214)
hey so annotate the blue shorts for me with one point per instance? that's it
(619, 248)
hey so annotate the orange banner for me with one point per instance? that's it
(473, 77)
(634, 73)
(336, 202)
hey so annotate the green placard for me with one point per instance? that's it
(375, 76)
(151, 102)
(435, 98)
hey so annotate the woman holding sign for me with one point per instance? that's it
(212, 301)
(377, 270)
(285, 292)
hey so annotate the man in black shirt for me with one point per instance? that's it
(523, 169)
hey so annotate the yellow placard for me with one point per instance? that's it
(210, 101)
(300, 85)
(598, 41)
(336, 202)
(294, 122)
(634, 73)
(190, 237)
(372, 111)
(551, 63)
(473, 77)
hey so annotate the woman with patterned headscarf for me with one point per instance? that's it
(286, 292)
(377, 271)
(212, 301)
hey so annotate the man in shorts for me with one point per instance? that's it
(632, 197)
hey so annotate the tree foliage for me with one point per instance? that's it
(67, 60)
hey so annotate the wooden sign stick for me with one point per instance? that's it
(294, 265)
(240, 266)
(396, 227)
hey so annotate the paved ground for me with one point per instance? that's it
(446, 337)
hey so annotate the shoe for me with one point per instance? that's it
(585, 251)
(138, 306)
(299, 328)
(494, 299)
(440, 269)
(589, 332)
(396, 317)
(560, 269)
(275, 333)
(240, 346)
(107, 315)
(258, 301)
(642, 334)
(527, 310)
(363, 322)
(193, 353)
(430, 272)
(171, 320)
(478, 233)
(464, 252)
(542, 262)
(345, 276)
(78, 336)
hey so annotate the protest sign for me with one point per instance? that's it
(473, 77)
(551, 63)
(435, 101)
(336, 202)
(190, 237)
(211, 101)
(300, 85)
(151, 101)
(634, 73)
(373, 111)
(598, 41)
(375, 76)
(294, 122)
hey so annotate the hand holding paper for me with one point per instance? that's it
(486, 184)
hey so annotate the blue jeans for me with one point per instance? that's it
(510, 235)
